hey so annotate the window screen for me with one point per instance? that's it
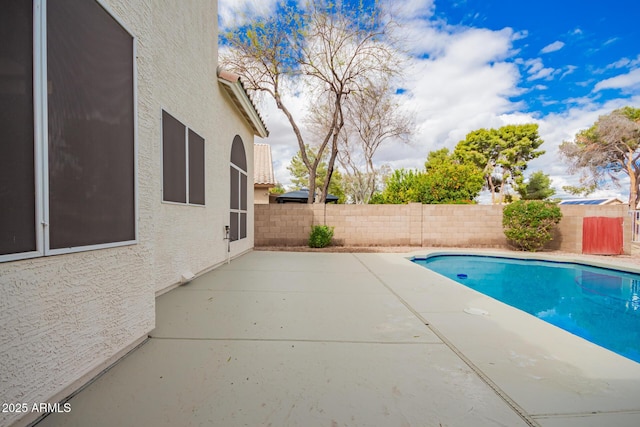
(243, 225)
(238, 190)
(234, 219)
(17, 171)
(243, 191)
(196, 168)
(174, 166)
(91, 126)
(234, 176)
(238, 156)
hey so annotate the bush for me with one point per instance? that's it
(528, 223)
(320, 236)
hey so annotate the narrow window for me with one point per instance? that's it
(182, 163)
(174, 165)
(196, 168)
(238, 190)
(17, 158)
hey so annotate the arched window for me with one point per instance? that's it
(238, 193)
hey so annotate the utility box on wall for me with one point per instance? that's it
(602, 236)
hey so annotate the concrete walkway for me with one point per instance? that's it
(327, 339)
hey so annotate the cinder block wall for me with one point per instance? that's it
(463, 225)
(568, 236)
(416, 225)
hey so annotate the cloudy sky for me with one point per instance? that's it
(479, 63)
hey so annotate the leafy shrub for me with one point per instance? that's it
(528, 223)
(320, 236)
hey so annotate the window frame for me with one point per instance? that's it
(41, 141)
(187, 129)
(240, 191)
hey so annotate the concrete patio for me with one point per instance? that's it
(338, 339)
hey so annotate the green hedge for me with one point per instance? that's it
(528, 223)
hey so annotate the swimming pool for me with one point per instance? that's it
(598, 304)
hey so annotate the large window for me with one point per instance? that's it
(182, 163)
(67, 114)
(238, 190)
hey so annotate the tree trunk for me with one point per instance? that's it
(633, 190)
(303, 150)
(492, 188)
(337, 125)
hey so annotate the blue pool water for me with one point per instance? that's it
(598, 304)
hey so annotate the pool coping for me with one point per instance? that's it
(550, 373)
(588, 260)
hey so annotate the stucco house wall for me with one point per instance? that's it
(67, 317)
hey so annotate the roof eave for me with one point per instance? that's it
(242, 100)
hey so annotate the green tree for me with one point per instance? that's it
(300, 175)
(327, 50)
(402, 186)
(444, 180)
(537, 188)
(608, 149)
(583, 190)
(278, 189)
(450, 180)
(502, 154)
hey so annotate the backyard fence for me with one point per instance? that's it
(417, 225)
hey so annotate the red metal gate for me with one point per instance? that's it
(602, 236)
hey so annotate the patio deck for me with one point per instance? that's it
(338, 339)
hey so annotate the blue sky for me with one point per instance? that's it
(567, 47)
(478, 63)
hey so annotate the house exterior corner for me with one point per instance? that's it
(83, 293)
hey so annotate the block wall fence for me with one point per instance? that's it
(417, 225)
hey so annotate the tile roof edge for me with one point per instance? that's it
(238, 90)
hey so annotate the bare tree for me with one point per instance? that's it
(373, 117)
(334, 50)
(607, 149)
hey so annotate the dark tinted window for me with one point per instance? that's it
(238, 156)
(234, 219)
(243, 191)
(196, 168)
(234, 176)
(91, 126)
(243, 225)
(17, 171)
(238, 190)
(174, 166)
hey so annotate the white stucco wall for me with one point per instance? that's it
(189, 239)
(65, 317)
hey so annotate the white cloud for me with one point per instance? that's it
(556, 128)
(623, 81)
(241, 11)
(553, 47)
(537, 70)
(569, 70)
(462, 79)
(621, 63)
(464, 82)
(410, 9)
